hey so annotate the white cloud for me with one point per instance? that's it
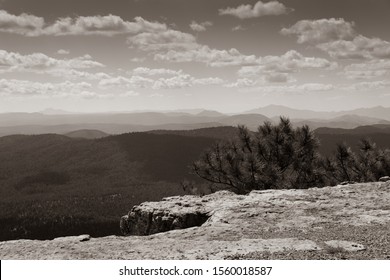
(368, 70)
(40, 62)
(101, 25)
(339, 39)
(360, 47)
(242, 83)
(164, 40)
(208, 81)
(138, 59)
(272, 8)
(372, 85)
(364, 74)
(278, 68)
(298, 88)
(23, 24)
(109, 25)
(278, 78)
(17, 88)
(238, 28)
(63, 52)
(176, 80)
(315, 87)
(73, 74)
(110, 95)
(180, 81)
(211, 57)
(145, 71)
(120, 81)
(183, 81)
(321, 30)
(200, 27)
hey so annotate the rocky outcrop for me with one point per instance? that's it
(351, 221)
(384, 179)
(169, 214)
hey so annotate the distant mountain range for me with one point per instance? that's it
(61, 122)
(271, 111)
(87, 134)
(328, 137)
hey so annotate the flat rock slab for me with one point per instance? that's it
(263, 221)
(345, 245)
(68, 239)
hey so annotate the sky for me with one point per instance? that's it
(225, 55)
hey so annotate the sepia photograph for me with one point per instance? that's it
(195, 130)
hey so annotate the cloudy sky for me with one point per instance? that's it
(226, 55)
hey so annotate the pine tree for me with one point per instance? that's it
(274, 157)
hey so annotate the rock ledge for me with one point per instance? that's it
(351, 220)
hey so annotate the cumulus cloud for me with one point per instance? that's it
(278, 78)
(339, 39)
(238, 28)
(259, 86)
(176, 79)
(39, 62)
(180, 81)
(360, 47)
(272, 8)
(176, 46)
(297, 88)
(208, 81)
(72, 74)
(43, 64)
(63, 52)
(165, 40)
(200, 27)
(321, 30)
(120, 81)
(183, 81)
(209, 56)
(145, 71)
(109, 25)
(101, 25)
(277, 68)
(368, 70)
(22, 88)
(138, 59)
(242, 83)
(22, 24)
(372, 85)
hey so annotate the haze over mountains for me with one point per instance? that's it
(86, 177)
(270, 111)
(77, 185)
(62, 122)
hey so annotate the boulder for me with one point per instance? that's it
(169, 214)
(384, 179)
(347, 183)
(342, 245)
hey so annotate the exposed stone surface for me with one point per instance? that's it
(345, 245)
(154, 217)
(384, 179)
(307, 223)
(346, 183)
(80, 238)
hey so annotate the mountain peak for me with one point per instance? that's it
(53, 111)
(210, 113)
